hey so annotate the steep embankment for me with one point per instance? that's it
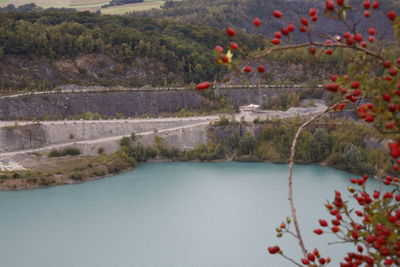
(133, 102)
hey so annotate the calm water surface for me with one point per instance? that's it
(166, 215)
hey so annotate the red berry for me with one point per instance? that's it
(290, 27)
(311, 257)
(225, 59)
(305, 261)
(367, 4)
(371, 39)
(231, 32)
(278, 35)
(318, 231)
(247, 69)
(335, 229)
(372, 31)
(257, 22)
(393, 72)
(392, 15)
(359, 37)
(275, 41)
(363, 44)
(375, 5)
(273, 250)
(376, 194)
(234, 46)
(392, 108)
(322, 261)
(387, 97)
(304, 21)
(369, 119)
(302, 29)
(357, 92)
(219, 49)
(340, 2)
(285, 31)
(261, 69)
(367, 13)
(203, 85)
(314, 18)
(330, 5)
(387, 64)
(312, 50)
(277, 14)
(323, 223)
(312, 12)
(355, 84)
(354, 234)
(329, 51)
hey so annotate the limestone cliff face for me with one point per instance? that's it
(127, 102)
(130, 103)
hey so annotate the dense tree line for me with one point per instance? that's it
(240, 13)
(185, 49)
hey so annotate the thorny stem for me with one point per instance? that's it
(291, 260)
(290, 179)
(288, 47)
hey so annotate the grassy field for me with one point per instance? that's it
(146, 5)
(90, 5)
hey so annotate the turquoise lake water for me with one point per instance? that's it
(167, 215)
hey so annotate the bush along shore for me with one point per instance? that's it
(341, 144)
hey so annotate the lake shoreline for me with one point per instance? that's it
(23, 184)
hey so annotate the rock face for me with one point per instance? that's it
(128, 102)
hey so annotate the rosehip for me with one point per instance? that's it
(387, 64)
(355, 84)
(335, 229)
(312, 12)
(278, 35)
(277, 14)
(393, 72)
(367, 14)
(372, 31)
(261, 68)
(304, 21)
(203, 85)
(234, 46)
(311, 257)
(273, 250)
(257, 22)
(305, 261)
(340, 2)
(330, 5)
(367, 4)
(275, 41)
(302, 29)
(371, 39)
(392, 15)
(318, 231)
(357, 92)
(314, 18)
(323, 223)
(225, 59)
(375, 5)
(231, 32)
(247, 69)
(329, 51)
(387, 97)
(290, 27)
(219, 49)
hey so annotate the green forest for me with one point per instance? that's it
(183, 48)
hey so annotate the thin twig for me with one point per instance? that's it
(292, 261)
(290, 179)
